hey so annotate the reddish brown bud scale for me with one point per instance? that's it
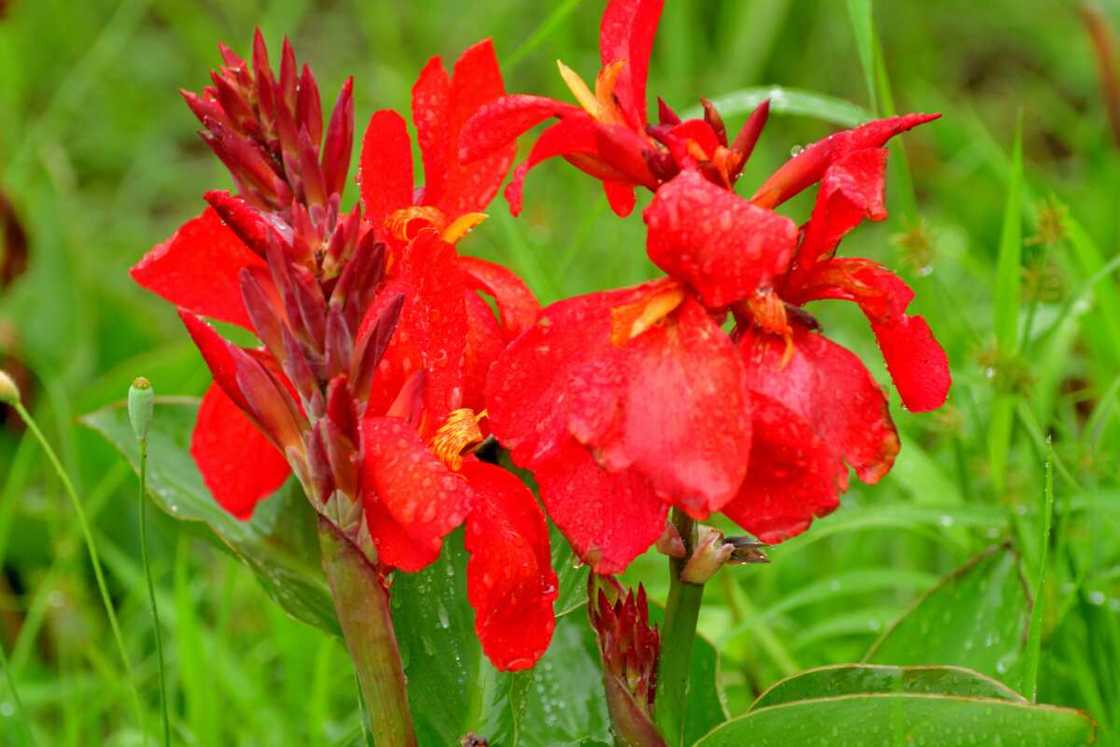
(309, 108)
(340, 141)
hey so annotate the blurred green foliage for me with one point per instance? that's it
(99, 159)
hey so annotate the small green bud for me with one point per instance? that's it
(9, 392)
(141, 404)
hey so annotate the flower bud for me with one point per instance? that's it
(9, 390)
(708, 555)
(141, 405)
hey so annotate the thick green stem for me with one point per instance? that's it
(362, 603)
(677, 633)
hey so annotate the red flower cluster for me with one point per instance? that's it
(626, 402)
(376, 342)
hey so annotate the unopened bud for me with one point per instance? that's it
(141, 405)
(9, 391)
(670, 542)
(708, 555)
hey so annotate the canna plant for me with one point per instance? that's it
(410, 390)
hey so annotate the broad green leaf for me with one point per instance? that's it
(441, 653)
(976, 617)
(878, 720)
(790, 101)
(558, 702)
(279, 543)
(852, 679)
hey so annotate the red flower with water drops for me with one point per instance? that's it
(626, 402)
(608, 135)
(375, 344)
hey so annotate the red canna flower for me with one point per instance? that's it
(608, 134)
(628, 401)
(375, 341)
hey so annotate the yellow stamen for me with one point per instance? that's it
(458, 435)
(631, 320)
(580, 90)
(461, 226)
(399, 221)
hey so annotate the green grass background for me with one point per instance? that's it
(99, 156)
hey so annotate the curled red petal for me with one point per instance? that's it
(608, 518)
(400, 474)
(678, 412)
(517, 305)
(510, 581)
(829, 388)
(808, 166)
(626, 33)
(502, 121)
(199, 268)
(715, 241)
(238, 464)
(916, 361)
(851, 191)
(570, 137)
(385, 171)
(794, 475)
(621, 197)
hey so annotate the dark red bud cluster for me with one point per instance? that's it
(268, 130)
(630, 646)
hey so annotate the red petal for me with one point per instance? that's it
(851, 191)
(609, 518)
(917, 363)
(218, 354)
(571, 136)
(441, 107)
(516, 303)
(670, 403)
(238, 464)
(530, 386)
(432, 330)
(199, 268)
(793, 476)
(419, 493)
(626, 33)
(830, 389)
(510, 580)
(503, 120)
(385, 171)
(621, 197)
(808, 166)
(715, 241)
(680, 415)
(485, 342)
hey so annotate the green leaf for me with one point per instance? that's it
(851, 679)
(863, 28)
(440, 651)
(873, 720)
(279, 543)
(789, 101)
(976, 617)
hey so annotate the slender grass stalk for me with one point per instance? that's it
(91, 548)
(682, 610)
(141, 408)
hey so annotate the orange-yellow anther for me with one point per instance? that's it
(458, 435)
(400, 223)
(632, 319)
(769, 313)
(604, 91)
(461, 226)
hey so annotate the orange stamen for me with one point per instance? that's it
(632, 319)
(459, 435)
